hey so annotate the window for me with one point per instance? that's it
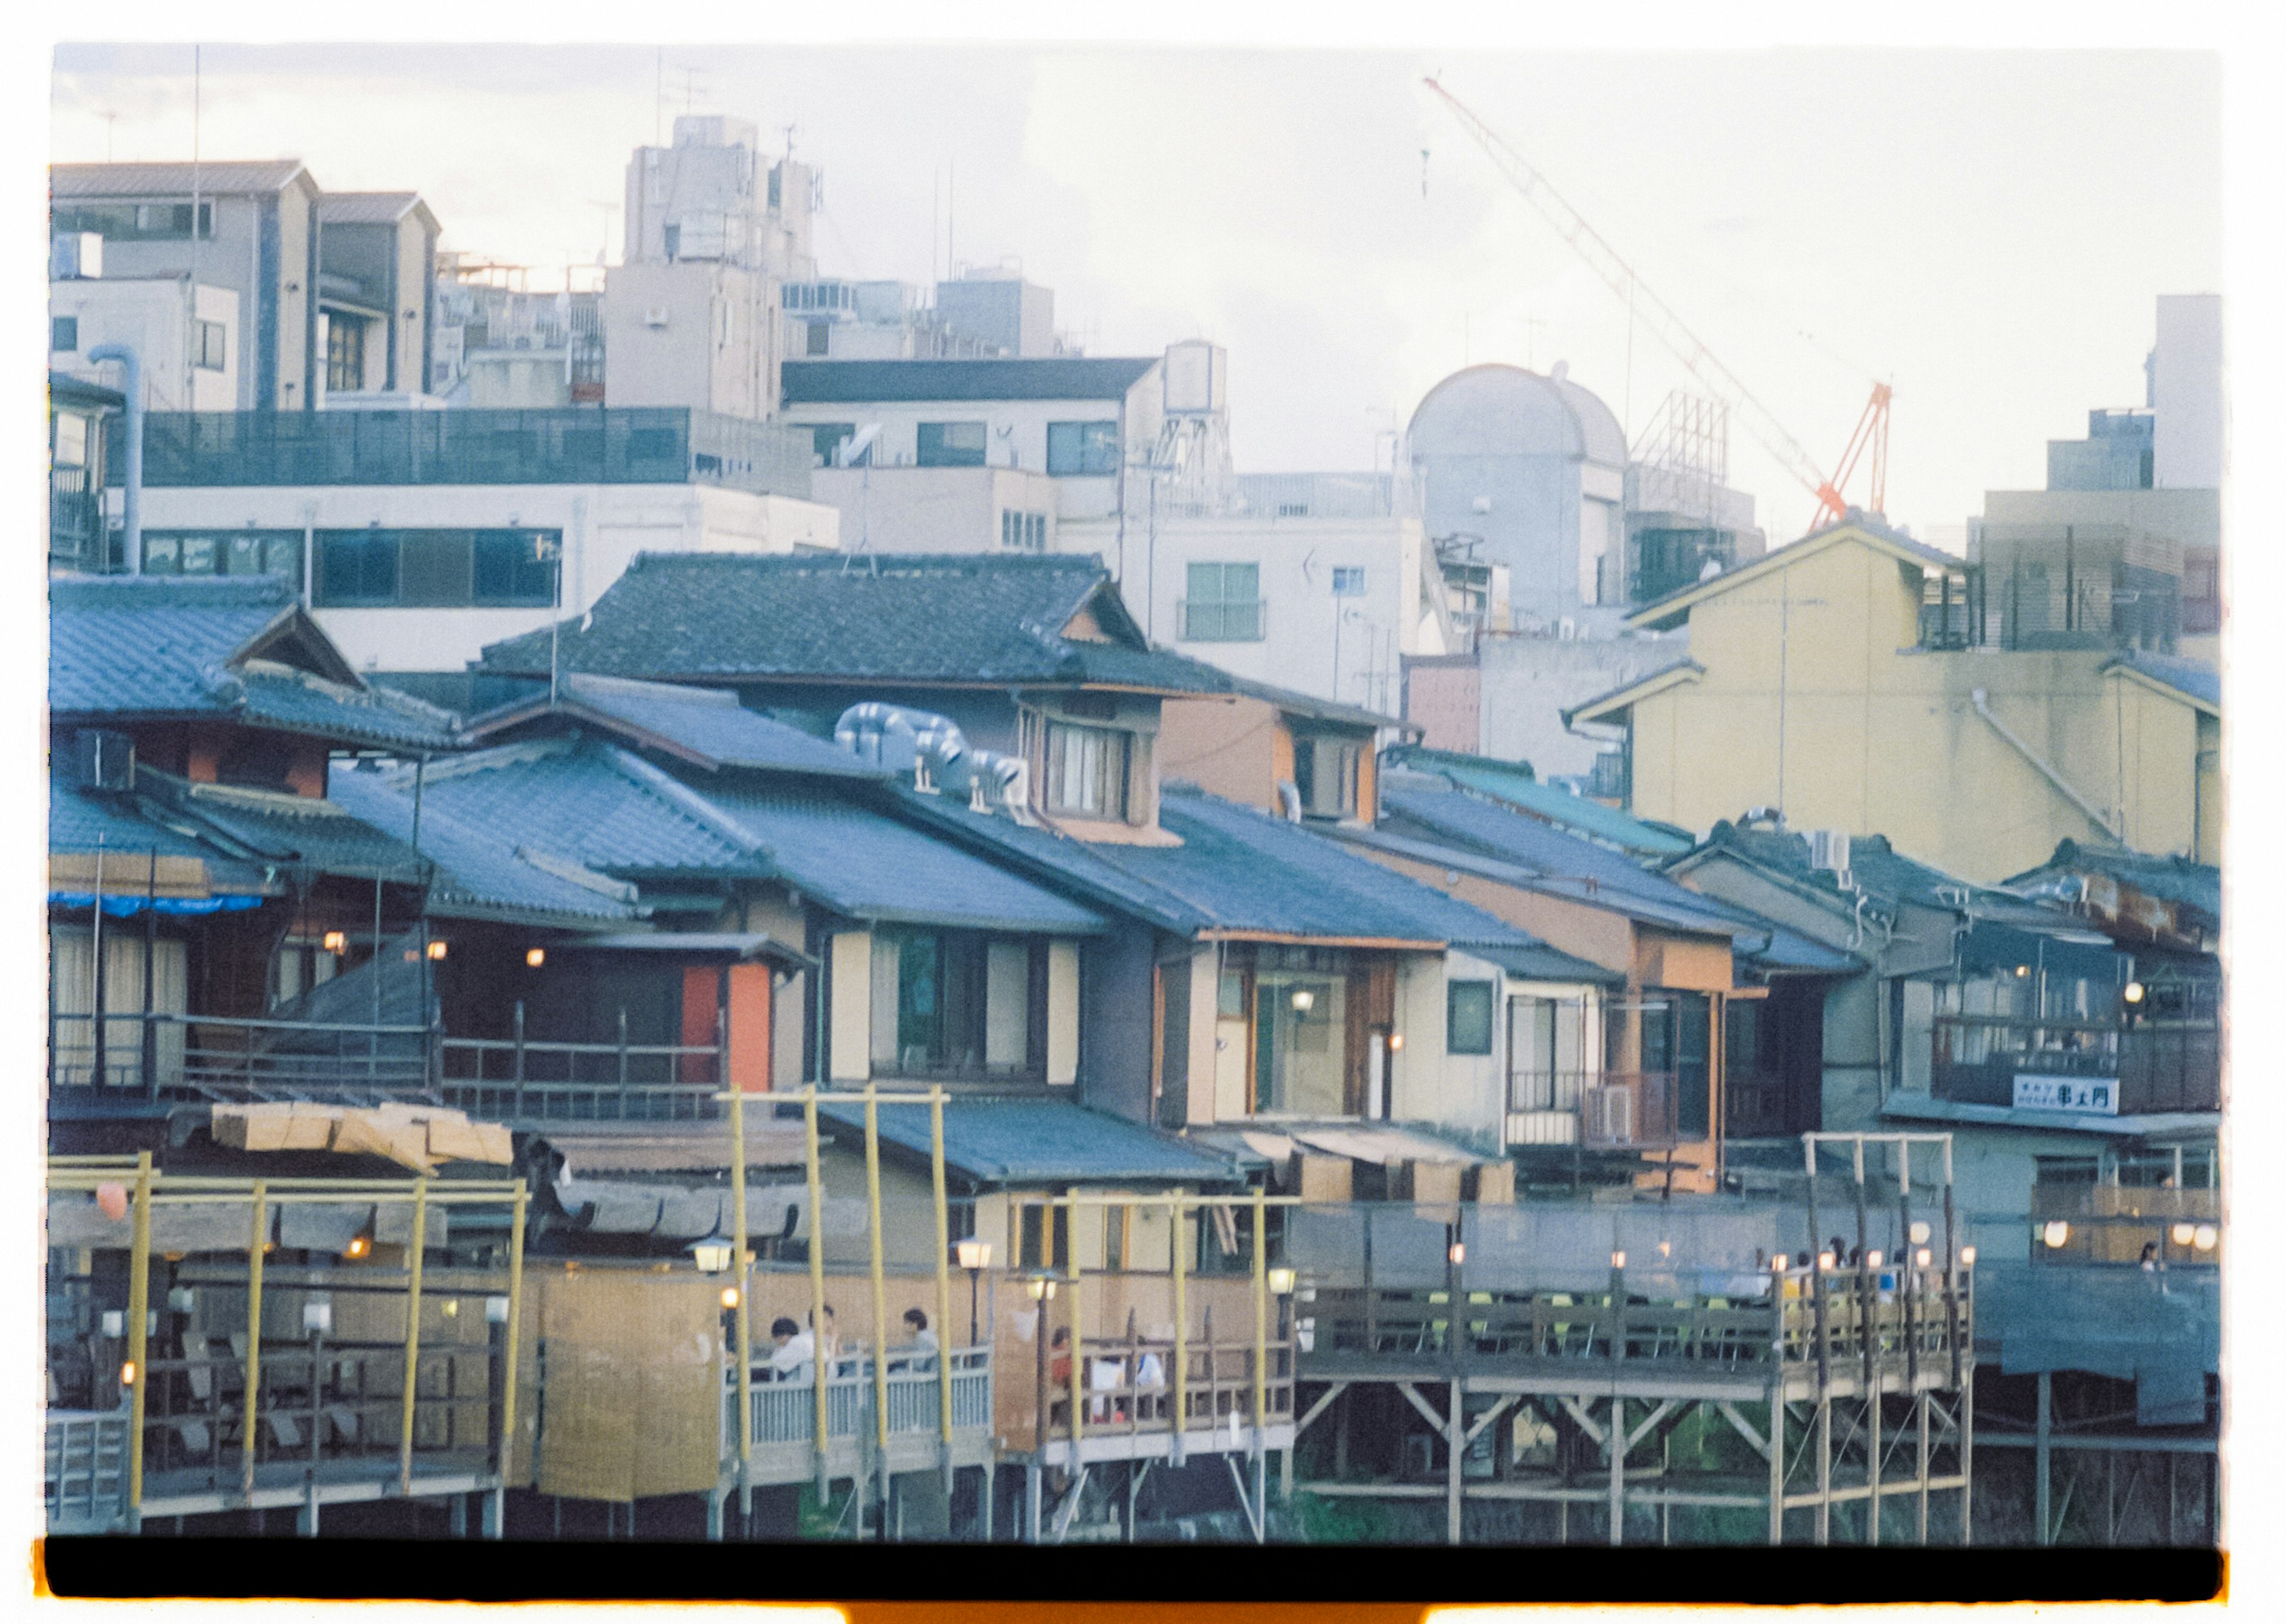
(63, 334)
(344, 353)
(1349, 583)
(137, 222)
(957, 1003)
(439, 569)
(950, 445)
(1024, 531)
(71, 433)
(1326, 776)
(211, 344)
(1224, 604)
(224, 552)
(1468, 1017)
(1087, 770)
(1083, 450)
(1546, 1053)
(1028, 1241)
(819, 336)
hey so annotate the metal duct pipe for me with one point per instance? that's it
(919, 742)
(133, 364)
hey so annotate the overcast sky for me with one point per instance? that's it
(1986, 231)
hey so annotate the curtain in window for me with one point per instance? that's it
(73, 949)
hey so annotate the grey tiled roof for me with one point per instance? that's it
(285, 828)
(366, 208)
(1041, 1142)
(1105, 378)
(963, 618)
(2186, 676)
(705, 725)
(81, 822)
(139, 646)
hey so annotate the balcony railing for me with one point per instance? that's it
(1221, 622)
(2083, 1066)
(77, 528)
(1607, 1110)
(1754, 1102)
(786, 1408)
(86, 1477)
(517, 1080)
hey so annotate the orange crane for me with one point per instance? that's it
(1872, 432)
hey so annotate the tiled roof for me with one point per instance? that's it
(705, 726)
(1875, 871)
(1542, 963)
(1029, 378)
(2171, 879)
(870, 867)
(480, 870)
(138, 646)
(65, 389)
(1041, 1141)
(366, 208)
(962, 618)
(168, 179)
(1512, 783)
(286, 828)
(81, 822)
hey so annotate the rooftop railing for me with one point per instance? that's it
(1608, 1110)
(2092, 1066)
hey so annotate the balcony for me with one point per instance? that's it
(76, 529)
(2100, 1068)
(1240, 621)
(1600, 1110)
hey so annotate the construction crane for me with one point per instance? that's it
(1872, 434)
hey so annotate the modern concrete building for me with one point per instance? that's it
(995, 307)
(1506, 697)
(417, 538)
(333, 290)
(185, 335)
(500, 346)
(1832, 682)
(692, 317)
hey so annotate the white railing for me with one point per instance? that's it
(87, 1466)
(785, 1410)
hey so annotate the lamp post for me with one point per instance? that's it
(975, 1257)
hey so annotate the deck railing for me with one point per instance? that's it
(516, 1079)
(86, 1477)
(2155, 1066)
(163, 1055)
(785, 1407)
(1608, 1110)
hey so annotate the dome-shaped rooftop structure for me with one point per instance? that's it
(1497, 410)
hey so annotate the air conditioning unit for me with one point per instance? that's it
(654, 317)
(1829, 850)
(106, 760)
(1610, 1115)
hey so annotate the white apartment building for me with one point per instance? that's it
(185, 334)
(941, 509)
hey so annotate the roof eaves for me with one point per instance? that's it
(1683, 671)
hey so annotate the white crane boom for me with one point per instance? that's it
(1684, 344)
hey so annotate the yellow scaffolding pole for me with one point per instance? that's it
(258, 1233)
(1071, 1308)
(746, 1278)
(880, 1293)
(821, 1366)
(944, 1280)
(1261, 1319)
(414, 1258)
(514, 1342)
(139, 1311)
(1179, 1260)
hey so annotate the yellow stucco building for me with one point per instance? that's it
(1827, 680)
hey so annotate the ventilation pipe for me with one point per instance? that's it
(133, 366)
(919, 742)
(992, 782)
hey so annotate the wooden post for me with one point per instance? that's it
(623, 1063)
(1921, 1404)
(257, 1232)
(1616, 1434)
(139, 1314)
(1071, 1312)
(1778, 1451)
(2041, 1534)
(413, 1331)
(1453, 1418)
(515, 1334)
(1179, 1262)
(1261, 1324)
(1825, 1465)
(880, 1294)
(515, 1113)
(821, 1366)
(943, 1282)
(744, 1271)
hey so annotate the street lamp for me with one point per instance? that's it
(975, 1257)
(711, 1254)
(2055, 1233)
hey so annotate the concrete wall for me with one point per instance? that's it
(1879, 738)
(604, 527)
(934, 509)
(1445, 695)
(152, 316)
(1528, 683)
(2187, 392)
(715, 350)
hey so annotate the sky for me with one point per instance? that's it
(1984, 231)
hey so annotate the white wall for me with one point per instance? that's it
(2187, 392)
(933, 509)
(1296, 558)
(1461, 1094)
(716, 350)
(152, 316)
(604, 527)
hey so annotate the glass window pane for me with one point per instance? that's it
(434, 567)
(198, 556)
(162, 556)
(1468, 1017)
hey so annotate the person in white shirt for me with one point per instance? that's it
(917, 1324)
(791, 1348)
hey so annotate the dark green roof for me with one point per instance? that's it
(1512, 782)
(1041, 1142)
(707, 727)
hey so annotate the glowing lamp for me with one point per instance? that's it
(1618, 1260)
(1396, 1041)
(1779, 1263)
(1458, 1253)
(2132, 993)
(533, 957)
(1304, 1000)
(1921, 1258)
(711, 1254)
(2054, 1233)
(436, 950)
(335, 942)
(1967, 1257)
(2205, 1236)
(729, 1296)
(974, 1254)
(2182, 1234)
(2023, 971)
(359, 1246)
(1824, 1262)
(1281, 1281)
(1873, 1258)
(127, 1374)
(1042, 1288)
(1919, 1232)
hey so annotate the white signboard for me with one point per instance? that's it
(2097, 1095)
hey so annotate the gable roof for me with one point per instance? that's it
(1024, 378)
(64, 390)
(1876, 870)
(167, 179)
(1676, 606)
(2190, 679)
(243, 651)
(1600, 707)
(1040, 1141)
(706, 727)
(1512, 784)
(978, 621)
(2178, 882)
(371, 208)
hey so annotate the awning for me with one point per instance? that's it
(737, 945)
(1988, 946)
